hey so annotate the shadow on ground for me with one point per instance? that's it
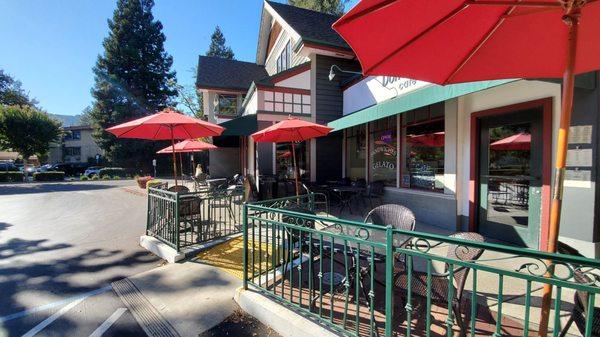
(51, 187)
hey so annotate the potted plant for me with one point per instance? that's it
(142, 181)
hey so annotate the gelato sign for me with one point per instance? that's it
(376, 89)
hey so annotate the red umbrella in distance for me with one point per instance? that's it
(519, 142)
(291, 130)
(167, 124)
(188, 145)
(455, 41)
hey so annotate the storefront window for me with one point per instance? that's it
(284, 162)
(383, 151)
(423, 150)
(356, 151)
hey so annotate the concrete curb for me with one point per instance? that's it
(171, 255)
(279, 318)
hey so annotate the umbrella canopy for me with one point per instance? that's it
(519, 142)
(456, 41)
(435, 139)
(291, 130)
(167, 124)
(188, 145)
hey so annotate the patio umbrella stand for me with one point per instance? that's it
(459, 41)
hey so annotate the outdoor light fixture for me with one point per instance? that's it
(332, 72)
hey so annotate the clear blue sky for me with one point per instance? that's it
(52, 45)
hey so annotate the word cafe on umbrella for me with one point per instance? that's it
(474, 156)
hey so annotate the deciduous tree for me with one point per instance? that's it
(335, 7)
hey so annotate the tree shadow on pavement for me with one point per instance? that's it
(22, 282)
(52, 187)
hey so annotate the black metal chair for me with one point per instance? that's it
(178, 189)
(579, 312)
(440, 281)
(320, 199)
(375, 190)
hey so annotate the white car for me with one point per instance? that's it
(92, 170)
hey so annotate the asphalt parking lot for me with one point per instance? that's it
(61, 245)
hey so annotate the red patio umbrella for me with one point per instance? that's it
(456, 41)
(435, 139)
(186, 146)
(519, 142)
(291, 130)
(167, 124)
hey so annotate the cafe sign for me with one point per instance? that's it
(376, 89)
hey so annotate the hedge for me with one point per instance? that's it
(112, 171)
(11, 176)
(49, 176)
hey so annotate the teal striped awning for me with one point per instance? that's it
(416, 99)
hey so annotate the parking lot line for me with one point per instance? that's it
(52, 318)
(108, 323)
(54, 304)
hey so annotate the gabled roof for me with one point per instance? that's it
(220, 73)
(312, 26)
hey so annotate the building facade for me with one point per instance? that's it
(473, 156)
(77, 146)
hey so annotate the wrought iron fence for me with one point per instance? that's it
(363, 279)
(184, 219)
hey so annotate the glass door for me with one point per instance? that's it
(510, 177)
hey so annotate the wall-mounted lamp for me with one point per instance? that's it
(332, 72)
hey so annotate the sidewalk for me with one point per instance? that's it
(181, 299)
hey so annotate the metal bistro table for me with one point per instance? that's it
(365, 253)
(346, 195)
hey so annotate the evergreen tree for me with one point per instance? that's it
(335, 7)
(217, 46)
(132, 80)
(12, 93)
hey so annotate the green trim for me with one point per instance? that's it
(422, 97)
(240, 126)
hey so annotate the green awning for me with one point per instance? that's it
(419, 98)
(240, 126)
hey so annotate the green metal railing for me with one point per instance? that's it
(363, 279)
(185, 219)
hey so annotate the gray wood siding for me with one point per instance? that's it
(328, 101)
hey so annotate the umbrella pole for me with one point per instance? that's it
(174, 157)
(181, 166)
(296, 171)
(571, 19)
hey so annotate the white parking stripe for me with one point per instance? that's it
(108, 323)
(53, 304)
(52, 318)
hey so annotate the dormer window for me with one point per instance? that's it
(285, 58)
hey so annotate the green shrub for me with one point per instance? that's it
(84, 178)
(95, 177)
(153, 183)
(105, 177)
(112, 171)
(10, 176)
(117, 178)
(49, 176)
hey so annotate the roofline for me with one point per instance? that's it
(291, 72)
(221, 88)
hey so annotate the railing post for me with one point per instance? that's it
(176, 231)
(148, 212)
(311, 201)
(389, 280)
(245, 254)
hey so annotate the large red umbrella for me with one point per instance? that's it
(519, 142)
(167, 124)
(291, 130)
(454, 41)
(435, 139)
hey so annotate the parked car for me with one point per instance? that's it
(30, 169)
(92, 170)
(8, 166)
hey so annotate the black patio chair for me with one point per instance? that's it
(250, 191)
(320, 198)
(579, 313)
(375, 190)
(440, 281)
(178, 189)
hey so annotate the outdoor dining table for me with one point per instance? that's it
(346, 195)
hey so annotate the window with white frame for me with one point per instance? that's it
(227, 105)
(287, 102)
(285, 58)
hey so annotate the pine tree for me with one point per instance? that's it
(132, 79)
(217, 46)
(335, 7)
